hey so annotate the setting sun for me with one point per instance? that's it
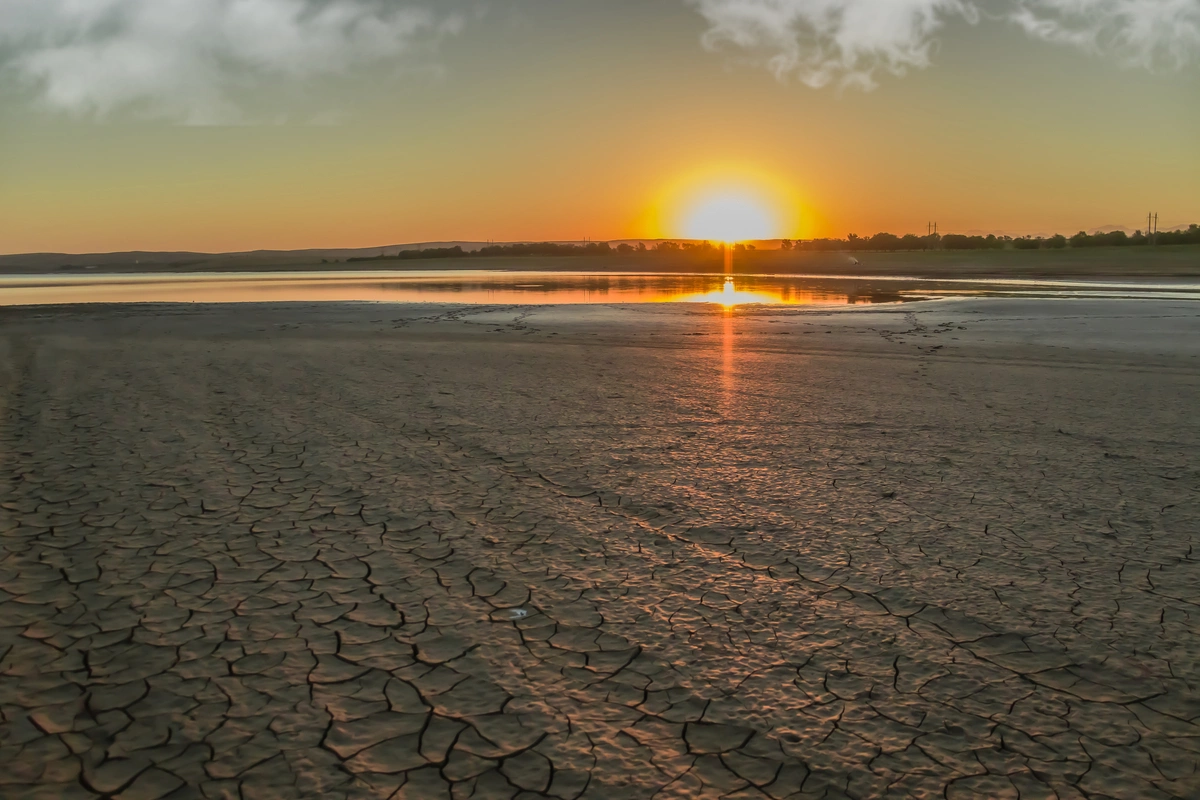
(730, 217)
(727, 202)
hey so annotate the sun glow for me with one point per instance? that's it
(731, 203)
(730, 217)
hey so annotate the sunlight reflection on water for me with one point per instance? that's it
(431, 287)
(729, 296)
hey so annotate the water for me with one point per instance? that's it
(536, 288)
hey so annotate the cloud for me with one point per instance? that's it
(192, 60)
(821, 41)
(186, 59)
(850, 42)
(1143, 33)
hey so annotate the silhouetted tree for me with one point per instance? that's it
(884, 241)
(1189, 236)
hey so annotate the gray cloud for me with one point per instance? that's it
(850, 42)
(183, 59)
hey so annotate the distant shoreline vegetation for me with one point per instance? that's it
(956, 241)
(880, 242)
(541, 249)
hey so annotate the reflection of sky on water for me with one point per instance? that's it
(447, 287)
(534, 288)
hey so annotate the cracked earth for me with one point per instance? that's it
(942, 550)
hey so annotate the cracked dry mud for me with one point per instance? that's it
(371, 551)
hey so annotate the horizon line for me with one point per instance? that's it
(619, 240)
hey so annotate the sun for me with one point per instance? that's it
(729, 216)
(730, 202)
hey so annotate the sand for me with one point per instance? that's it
(948, 549)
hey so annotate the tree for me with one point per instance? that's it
(884, 241)
(1189, 236)
(1111, 239)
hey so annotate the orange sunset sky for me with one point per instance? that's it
(565, 119)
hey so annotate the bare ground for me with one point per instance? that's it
(948, 549)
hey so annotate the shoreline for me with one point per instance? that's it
(1175, 261)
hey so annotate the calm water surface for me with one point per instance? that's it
(483, 287)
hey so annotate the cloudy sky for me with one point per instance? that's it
(240, 124)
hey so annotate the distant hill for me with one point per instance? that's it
(184, 261)
(179, 259)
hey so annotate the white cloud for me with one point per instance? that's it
(190, 60)
(822, 41)
(1144, 33)
(185, 59)
(850, 42)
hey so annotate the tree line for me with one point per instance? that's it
(880, 241)
(525, 249)
(955, 241)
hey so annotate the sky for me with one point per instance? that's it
(229, 125)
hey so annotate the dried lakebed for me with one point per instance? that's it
(932, 550)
